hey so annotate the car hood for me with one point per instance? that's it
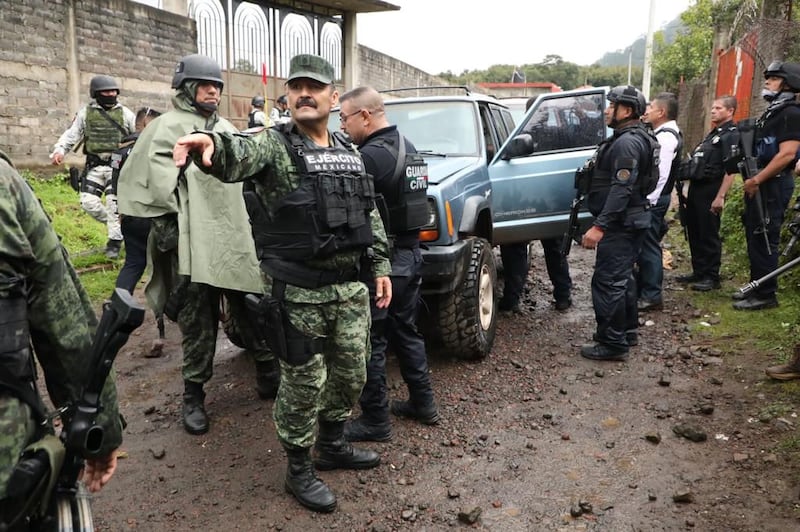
(441, 168)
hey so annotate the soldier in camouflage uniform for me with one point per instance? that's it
(200, 247)
(100, 125)
(311, 234)
(42, 304)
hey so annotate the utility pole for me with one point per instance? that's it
(648, 51)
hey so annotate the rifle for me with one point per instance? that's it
(752, 285)
(794, 228)
(683, 209)
(582, 177)
(81, 436)
(748, 168)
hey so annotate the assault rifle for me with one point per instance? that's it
(752, 285)
(683, 209)
(582, 177)
(749, 168)
(794, 228)
(68, 505)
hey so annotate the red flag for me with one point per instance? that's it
(263, 73)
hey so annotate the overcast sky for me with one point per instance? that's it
(441, 35)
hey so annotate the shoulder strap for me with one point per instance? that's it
(399, 151)
(116, 125)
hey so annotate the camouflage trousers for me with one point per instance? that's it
(97, 182)
(330, 383)
(198, 320)
(17, 429)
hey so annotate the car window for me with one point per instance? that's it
(566, 123)
(437, 126)
(500, 124)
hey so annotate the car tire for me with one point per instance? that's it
(467, 317)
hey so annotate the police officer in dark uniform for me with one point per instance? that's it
(708, 185)
(626, 170)
(777, 140)
(401, 178)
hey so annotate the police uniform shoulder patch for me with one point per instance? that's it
(623, 174)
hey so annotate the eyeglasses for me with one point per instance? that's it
(343, 117)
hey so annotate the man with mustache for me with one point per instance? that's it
(200, 246)
(314, 222)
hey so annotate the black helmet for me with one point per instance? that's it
(790, 72)
(102, 83)
(197, 67)
(257, 101)
(282, 99)
(630, 96)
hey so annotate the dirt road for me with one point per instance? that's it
(533, 438)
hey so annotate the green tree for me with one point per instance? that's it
(689, 55)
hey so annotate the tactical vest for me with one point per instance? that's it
(407, 193)
(101, 135)
(694, 167)
(647, 177)
(327, 214)
(119, 156)
(767, 147)
(17, 375)
(674, 169)
(251, 119)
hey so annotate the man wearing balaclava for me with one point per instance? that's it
(100, 125)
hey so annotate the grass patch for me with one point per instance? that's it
(83, 236)
(773, 331)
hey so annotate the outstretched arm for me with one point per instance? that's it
(195, 143)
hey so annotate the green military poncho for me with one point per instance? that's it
(215, 244)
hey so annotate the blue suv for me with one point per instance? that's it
(490, 182)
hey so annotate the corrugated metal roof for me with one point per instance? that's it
(334, 7)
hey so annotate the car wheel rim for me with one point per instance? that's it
(486, 297)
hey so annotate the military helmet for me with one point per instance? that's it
(257, 101)
(102, 83)
(630, 96)
(790, 72)
(282, 99)
(197, 67)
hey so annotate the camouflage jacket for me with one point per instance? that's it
(60, 315)
(266, 160)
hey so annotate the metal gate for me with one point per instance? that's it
(735, 76)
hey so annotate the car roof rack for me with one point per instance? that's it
(430, 87)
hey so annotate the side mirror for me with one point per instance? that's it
(519, 146)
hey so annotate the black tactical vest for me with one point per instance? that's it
(17, 376)
(647, 180)
(674, 169)
(407, 194)
(328, 213)
(251, 119)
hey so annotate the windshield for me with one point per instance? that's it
(438, 127)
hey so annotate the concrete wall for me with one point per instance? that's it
(50, 49)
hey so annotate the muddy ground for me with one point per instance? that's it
(533, 438)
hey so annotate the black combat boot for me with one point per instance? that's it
(334, 452)
(364, 429)
(268, 377)
(301, 481)
(195, 419)
(425, 412)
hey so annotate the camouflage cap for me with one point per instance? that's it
(310, 66)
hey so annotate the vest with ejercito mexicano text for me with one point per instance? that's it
(328, 213)
(101, 135)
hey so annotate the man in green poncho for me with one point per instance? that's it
(200, 245)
